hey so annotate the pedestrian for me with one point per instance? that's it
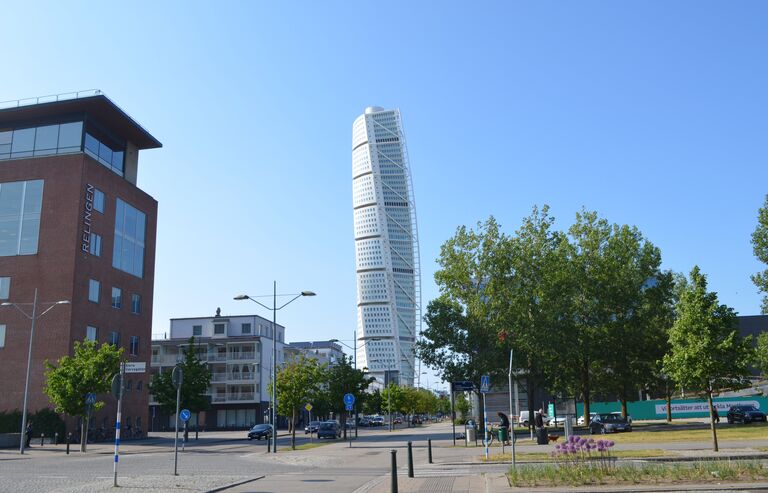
(29, 432)
(539, 419)
(715, 415)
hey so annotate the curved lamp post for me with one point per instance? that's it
(274, 308)
(33, 317)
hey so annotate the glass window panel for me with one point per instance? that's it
(141, 226)
(30, 231)
(10, 198)
(126, 256)
(70, 136)
(46, 140)
(5, 287)
(5, 144)
(117, 161)
(92, 145)
(93, 290)
(23, 142)
(120, 216)
(105, 154)
(98, 200)
(138, 261)
(9, 237)
(33, 197)
(117, 251)
(129, 230)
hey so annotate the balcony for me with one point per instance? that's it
(219, 377)
(245, 396)
(217, 356)
(242, 355)
(166, 360)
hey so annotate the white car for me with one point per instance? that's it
(581, 422)
(523, 419)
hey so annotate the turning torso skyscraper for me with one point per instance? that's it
(386, 248)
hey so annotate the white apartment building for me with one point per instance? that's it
(238, 351)
(386, 248)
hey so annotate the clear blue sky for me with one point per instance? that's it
(652, 113)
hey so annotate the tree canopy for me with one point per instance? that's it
(194, 387)
(760, 248)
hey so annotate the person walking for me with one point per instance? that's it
(29, 432)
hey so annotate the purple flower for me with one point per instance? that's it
(610, 443)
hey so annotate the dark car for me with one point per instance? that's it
(608, 423)
(329, 429)
(260, 431)
(312, 427)
(745, 414)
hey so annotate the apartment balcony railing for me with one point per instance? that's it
(166, 360)
(219, 377)
(239, 377)
(241, 355)
(217, 356)
(247, 396)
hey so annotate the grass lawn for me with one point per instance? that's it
(544, 456)
(307, 446)
(754, 431)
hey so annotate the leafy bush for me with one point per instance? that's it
(48, 422)
(10, 421)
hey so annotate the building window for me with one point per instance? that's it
(20, 204)
(197, 330)
(90, 333)
(218, 329)
(130, 229)
(2, 335)
(134, 345)
(95, 246)
(117, 297)
(98, 200)
(114, 338)
(139, 386)
(104, 154)
(41, 141)
(94, 287)
(129, 385)
(135, 304)
(5, 288)
(246, 328)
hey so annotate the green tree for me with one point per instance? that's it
(298, 382)
(372, 402)
(761, 353)
(194, 385)
(760, 249)
(393, 399)
(344, 379)
(706, 351)
(462, 406)
(90, 370)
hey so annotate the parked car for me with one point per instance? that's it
(329, 429)
(618, 413)
(350, 424)
(377, 421)
(260, 431)
(608, 423)
(581, 422)
(745, 414)
(524, 421)
(397, 420)
(312, 427)
(558, 421)
(365, 422)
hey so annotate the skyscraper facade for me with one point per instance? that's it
(386, 248)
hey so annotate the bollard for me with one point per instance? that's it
(394, 470)
(42, 439)
(269, 444)
(429, 450)
(69, 440)
(410, 459)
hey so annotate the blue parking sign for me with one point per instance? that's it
(349, 400)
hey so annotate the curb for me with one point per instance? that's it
(622, 459)
(651, 489)
(232, 485)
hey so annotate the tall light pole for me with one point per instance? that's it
(274, 310)
(33, 317)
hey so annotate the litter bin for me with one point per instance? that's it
(541, 436)
(471, 434)
(503, 435)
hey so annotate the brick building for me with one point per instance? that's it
(75, 226)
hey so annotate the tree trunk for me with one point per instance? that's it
(293, 430)
(669, 405)
(712, 420)
(84, 434)
(624, 412)
(585, 392)
(343, 423)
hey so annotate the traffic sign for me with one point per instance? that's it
(184, 415)
(348, 407)
(117, 385)
(485, 383)
(90, 398)
(308, 407)
(137, 367)
(551, 409)
(462, 386)
(349, 401)
(177, 376)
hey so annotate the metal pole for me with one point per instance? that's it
(274, 367)
(485, 426)
(354, 338)
(26, 383)
(453, 417)
(176, 437)
(511, 421)
(119, 419)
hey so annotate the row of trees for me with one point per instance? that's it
(588, 312)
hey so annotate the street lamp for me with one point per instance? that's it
(33, 317)
(274, 310)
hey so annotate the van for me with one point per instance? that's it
(523, 420)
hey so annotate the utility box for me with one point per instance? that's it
(471, 435)
(568, 425)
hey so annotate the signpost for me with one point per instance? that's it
(485, 385)
(117, 391)
(177, 377)
(308, 407)
(349, 402)
(137, 367)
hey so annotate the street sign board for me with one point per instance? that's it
(348, 407)
(90, 398)
(485, 383)
(308, 407)
(177, 376)
(462, 386)
(349, 400)
(184, 415)
(138, 367)
(551, 409)
(116, 383)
